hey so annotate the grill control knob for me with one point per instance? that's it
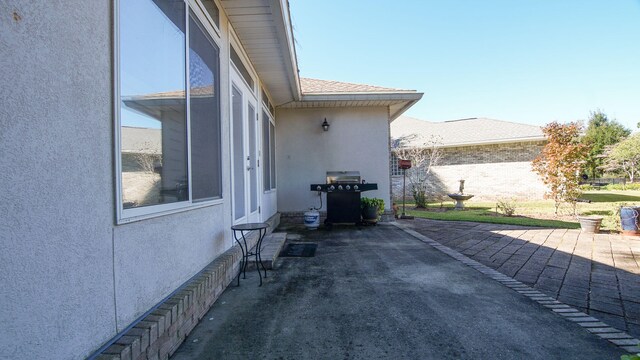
(355, 187)
(332, 187)
(339, 187)
(318, 187)
(348, 187)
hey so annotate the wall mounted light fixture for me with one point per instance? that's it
(325, 125)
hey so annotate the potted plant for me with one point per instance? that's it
(590, 224)
(372, 208)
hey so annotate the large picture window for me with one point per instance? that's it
(169, 108)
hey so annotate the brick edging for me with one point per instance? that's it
(586, 321)
(159, 334)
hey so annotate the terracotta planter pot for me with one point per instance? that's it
(590, 224)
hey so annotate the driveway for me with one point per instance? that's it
(380, 293)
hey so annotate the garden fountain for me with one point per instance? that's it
(460, 197)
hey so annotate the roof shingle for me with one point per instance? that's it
(464, 131)
(315, 86)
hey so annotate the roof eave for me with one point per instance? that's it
(291, 59)
(396, 102)
(358, 96)
(395, 112)
(280, 78)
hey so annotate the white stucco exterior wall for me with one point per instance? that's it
(56, 203)
(72, 278)
(358, 139)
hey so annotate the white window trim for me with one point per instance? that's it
(209, 21)
(125, 216)
(272, 122)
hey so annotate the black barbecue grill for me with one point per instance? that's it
(343, 190)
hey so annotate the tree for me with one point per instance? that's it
(601, 132)
(424, 155)
(560, 162)
(624, 156)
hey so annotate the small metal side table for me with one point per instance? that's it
(243, 229)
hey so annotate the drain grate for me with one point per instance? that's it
(299, 250)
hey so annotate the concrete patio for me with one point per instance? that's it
(388, 292)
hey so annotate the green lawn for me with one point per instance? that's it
(536, 213)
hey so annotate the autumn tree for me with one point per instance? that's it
(424, 155)
(560, 162)
(624, 156)
(601, 132)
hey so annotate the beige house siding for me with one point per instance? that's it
(491, 172)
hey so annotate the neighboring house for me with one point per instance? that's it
(492, 156)
(134, 134)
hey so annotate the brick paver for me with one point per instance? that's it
(597, 274)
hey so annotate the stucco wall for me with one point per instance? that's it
(56, 203)
(71, 278)
(358, 139)
(490, 172)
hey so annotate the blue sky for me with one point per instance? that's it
(530, 61)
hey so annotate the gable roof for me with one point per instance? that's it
(316, 86)
(464, 132)
(325, 93)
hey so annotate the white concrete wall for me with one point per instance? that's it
(269, 204)
(71, 278)
(358, 139)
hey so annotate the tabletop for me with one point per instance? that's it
(250, 226)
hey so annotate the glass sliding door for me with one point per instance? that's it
(239, 209)
(246, 144)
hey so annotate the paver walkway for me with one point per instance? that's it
(380, 293)
(598, 274)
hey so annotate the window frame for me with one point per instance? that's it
(209, 19)
(125, 216)
(272, 156)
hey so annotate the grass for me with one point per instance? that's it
(536, 213)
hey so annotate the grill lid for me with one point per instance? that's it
(343, 177)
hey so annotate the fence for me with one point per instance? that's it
(604, 181)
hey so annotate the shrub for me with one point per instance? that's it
(420, 197)
(629, 186)
(560, 161)
(508, 207)
(373, 202)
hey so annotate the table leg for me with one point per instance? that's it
(244, 257)
(262, 235)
